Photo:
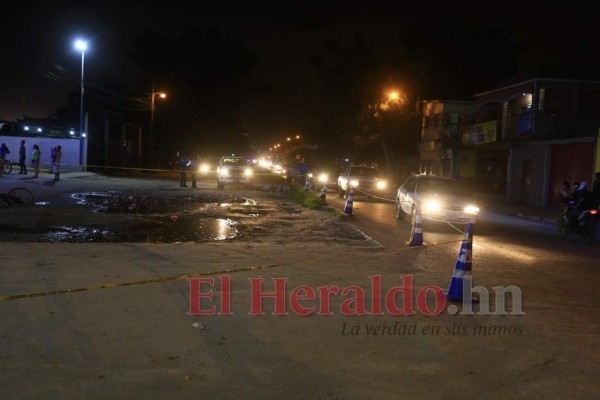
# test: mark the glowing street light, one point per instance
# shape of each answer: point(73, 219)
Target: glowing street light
point(153, 95)
point(81, 45)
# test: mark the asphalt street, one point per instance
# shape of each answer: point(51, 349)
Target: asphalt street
point(135, 319)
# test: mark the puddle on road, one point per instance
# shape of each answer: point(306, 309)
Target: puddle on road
point(146, 219)
point(167, 231)
point(115, 202)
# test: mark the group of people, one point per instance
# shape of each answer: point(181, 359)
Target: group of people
point(36, 156)
point(580, 199)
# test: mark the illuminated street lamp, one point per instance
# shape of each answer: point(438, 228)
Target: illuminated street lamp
point(81, 45)
point(153, 95)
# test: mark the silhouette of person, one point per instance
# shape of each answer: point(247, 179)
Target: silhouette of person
point(35, 160)
point(22, 158)
point(184, 163)
point(56, 156)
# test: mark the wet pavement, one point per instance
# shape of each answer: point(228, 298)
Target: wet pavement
point(150, 210)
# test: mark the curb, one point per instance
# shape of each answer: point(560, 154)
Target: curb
point(547, 219)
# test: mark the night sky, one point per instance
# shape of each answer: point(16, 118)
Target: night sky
point(40, 67)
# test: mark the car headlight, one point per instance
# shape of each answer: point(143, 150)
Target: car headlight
point(248, 172)
point(354, 183)
point(431, 205)
point(323, 178)
point(223, 171)
point(471, 209)
point(204, 168)
point(380, 185)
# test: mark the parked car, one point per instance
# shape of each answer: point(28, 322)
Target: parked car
point(441, 199)
point(234, 170)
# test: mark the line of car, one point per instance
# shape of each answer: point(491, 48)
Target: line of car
point(437, 198)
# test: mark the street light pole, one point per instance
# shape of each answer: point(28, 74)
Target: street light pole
point(81, 45)
point(152, 94)
point(152, 101)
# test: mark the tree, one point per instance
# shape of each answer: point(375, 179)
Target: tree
point(432, 57)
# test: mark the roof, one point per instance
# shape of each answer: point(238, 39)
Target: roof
point(551, 72)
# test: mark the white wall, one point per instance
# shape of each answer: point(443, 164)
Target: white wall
point(70, 150)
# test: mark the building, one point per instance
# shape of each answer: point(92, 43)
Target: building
point(440, 143)
point(523, 141)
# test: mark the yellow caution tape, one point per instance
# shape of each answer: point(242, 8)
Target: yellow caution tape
point(142, 282)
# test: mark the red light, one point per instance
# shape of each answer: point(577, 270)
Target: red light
point(594, 212)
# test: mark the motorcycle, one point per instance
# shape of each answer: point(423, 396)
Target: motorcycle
point(585, 225)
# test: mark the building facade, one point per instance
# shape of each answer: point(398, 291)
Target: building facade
point(523, 139)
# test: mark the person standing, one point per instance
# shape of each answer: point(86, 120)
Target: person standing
point(35, 160)
point(3, 152)
point(184, 163)
point(193, 167)
point(22, 158)
point(56, 155)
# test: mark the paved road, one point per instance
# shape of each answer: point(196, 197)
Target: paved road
point(111, 319)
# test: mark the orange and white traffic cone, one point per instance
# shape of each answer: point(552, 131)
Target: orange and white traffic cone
point(462, 270)
point(416, 233)
point(349, 201)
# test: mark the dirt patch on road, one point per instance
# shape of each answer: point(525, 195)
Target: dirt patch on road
point(120, 217)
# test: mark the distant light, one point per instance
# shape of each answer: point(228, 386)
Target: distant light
point(71, 132)
point(83, 135)
point(39, 129)
point(162, 95)
point(26, 128)
point(81, 45)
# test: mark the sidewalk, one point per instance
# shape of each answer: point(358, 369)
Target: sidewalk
point(498, 204)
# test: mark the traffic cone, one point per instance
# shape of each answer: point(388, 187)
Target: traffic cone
point(324, 192)
point(307, 184)
point(462, 269)
point(349, 201)
point(416, 234)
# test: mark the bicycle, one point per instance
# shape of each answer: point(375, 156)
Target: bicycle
point(16, 197)
point(6, 166)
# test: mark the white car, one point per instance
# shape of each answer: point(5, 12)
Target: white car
point(234, 170)
point(441, 199)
